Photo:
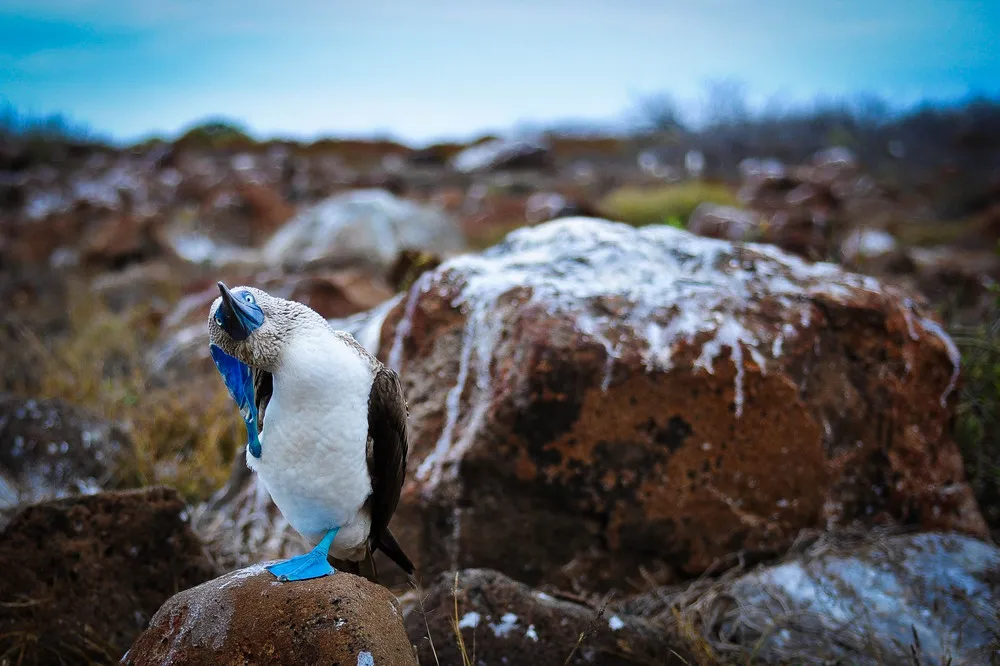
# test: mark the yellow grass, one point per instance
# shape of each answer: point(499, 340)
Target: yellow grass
point(184, 433)
point(666, 204)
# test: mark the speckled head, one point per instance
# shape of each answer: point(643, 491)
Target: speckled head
point(251, 325)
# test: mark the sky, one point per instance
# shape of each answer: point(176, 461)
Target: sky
point(424, 70)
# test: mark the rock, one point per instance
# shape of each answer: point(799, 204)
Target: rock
point(247, 616)
point(545, 206)
point(587, 398)
point(361, 227)
point(502, 154)
point(119, 241)
point(502, 621)
point(960, 279)
point(340, 293)
point(149, 284)
point(861, 244)
point(877, 253)
point(809, 209)
point(763, 170)
point(50, 449)
point(907, 599)
point(84, 575)
point(725, 222)
point(268, 209)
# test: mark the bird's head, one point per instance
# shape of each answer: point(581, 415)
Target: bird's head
point(247, 324)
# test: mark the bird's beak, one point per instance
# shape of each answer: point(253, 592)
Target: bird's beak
point(239, 319)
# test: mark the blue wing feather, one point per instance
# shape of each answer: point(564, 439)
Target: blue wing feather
point(239, 380)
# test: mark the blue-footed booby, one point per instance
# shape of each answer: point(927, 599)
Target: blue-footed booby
point(326, 426)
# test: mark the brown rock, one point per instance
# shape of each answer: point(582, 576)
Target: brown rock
point(114, 242)
point(725, 222)
point(587, 398)
point(268, 209)
point(340, 293)
point(502, 621)
point(50, 449)
point(83, 576)
point(957, 278)
point(247, 617)
point(150, 285)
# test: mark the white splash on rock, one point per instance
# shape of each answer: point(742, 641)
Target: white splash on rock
point(931, 590)
point(531, 633)
point(616, 623)
point(406, 323)
point(506, 625)
point(470, 620)
point(665, 287)
point(236, 578)
point(867, 244)
point(954, 355)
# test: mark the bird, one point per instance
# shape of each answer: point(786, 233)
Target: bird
point(326, 428)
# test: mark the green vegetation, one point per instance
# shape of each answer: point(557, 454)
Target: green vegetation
point(216, 134)
point(978, 424)
point(668, 204)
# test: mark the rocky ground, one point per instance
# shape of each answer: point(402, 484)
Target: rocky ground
point(657, 416)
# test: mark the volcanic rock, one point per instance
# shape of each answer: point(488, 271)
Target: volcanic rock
point(587, 398)
point(506, 622)
point(246, 616)
point(82, 576)
point(50, 449)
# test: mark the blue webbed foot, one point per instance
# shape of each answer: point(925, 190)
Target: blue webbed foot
point(302, 567)
point(310, 565)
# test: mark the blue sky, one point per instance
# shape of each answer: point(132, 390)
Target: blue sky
point(422, 70)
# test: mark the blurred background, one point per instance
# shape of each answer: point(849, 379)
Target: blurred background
point(332, 152)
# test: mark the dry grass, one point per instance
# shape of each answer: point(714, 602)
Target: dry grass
point(184, 434)
point(931, 234)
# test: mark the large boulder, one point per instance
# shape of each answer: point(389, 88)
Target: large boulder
point(361, 227)
point(497, 621)
point(246, 616)
point(83, 576)
point(587, 398)
point(905, 599)
point(50, 449)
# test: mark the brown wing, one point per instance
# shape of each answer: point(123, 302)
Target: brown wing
point(263, 389)
point(386, 459)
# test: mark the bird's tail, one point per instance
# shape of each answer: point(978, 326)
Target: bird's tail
point(363, 567)
point(367, 568)
point(387, 544)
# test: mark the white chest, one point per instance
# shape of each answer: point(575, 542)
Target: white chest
point(313, 459)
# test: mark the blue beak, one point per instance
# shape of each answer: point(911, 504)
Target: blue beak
point(239, 318)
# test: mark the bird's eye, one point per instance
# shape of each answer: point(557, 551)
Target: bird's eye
point(218, 320)
point(248, 298)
